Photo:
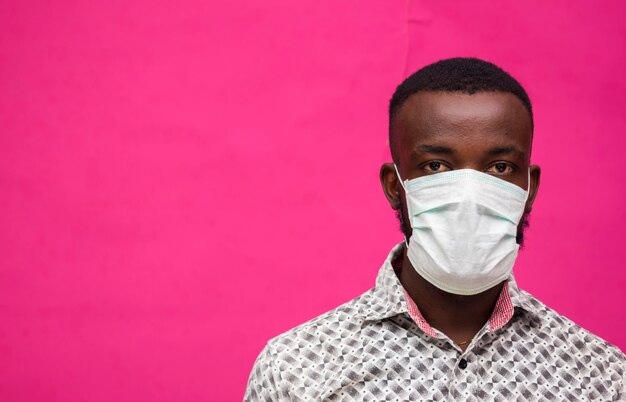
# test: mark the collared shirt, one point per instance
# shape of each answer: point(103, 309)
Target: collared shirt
point(372, 349)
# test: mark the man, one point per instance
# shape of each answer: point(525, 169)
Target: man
point(446, 320)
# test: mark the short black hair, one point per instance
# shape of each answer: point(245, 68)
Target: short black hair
point(459, 74)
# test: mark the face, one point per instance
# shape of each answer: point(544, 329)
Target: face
point(436, 132)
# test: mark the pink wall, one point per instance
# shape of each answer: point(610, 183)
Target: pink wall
point(182, 181)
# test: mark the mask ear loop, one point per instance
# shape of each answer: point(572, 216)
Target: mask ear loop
point(406, 243)
point(400, 177)
point(528, 187)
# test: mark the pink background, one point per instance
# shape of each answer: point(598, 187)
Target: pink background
point(183, 180)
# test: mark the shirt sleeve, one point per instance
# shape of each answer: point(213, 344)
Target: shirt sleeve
point(263, 384)
point(621, 391)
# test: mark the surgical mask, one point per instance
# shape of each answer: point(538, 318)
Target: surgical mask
point(464, 225)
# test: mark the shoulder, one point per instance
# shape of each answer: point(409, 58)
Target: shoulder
point(300, 356)
point(594, 358)
point(333, 325)
point(558, 327)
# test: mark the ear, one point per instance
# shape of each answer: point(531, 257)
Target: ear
point(535, 175)
point(391, 185)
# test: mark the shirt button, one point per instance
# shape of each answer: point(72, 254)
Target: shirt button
point(462, 364)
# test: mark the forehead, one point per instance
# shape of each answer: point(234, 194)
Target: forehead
point(462, 120)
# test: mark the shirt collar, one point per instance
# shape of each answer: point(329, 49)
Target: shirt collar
point(522, 300)
point(387, 298)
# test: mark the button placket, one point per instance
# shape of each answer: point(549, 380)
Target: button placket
point(459, 376)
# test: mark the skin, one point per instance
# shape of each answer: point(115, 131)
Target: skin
point(440, 131)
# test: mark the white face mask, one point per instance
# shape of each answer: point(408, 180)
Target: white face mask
point(464, 226)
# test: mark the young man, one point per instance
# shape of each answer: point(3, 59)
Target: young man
point(446, 319)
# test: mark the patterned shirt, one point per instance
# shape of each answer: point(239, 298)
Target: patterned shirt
point(372, 349)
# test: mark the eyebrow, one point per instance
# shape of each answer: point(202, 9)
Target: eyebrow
point(435, 149)
point(507, 150)
point(497, 151)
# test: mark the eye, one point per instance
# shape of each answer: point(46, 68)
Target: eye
point(435, 167)
point(500, 168)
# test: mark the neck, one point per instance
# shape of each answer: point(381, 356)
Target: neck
point(459, 317)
